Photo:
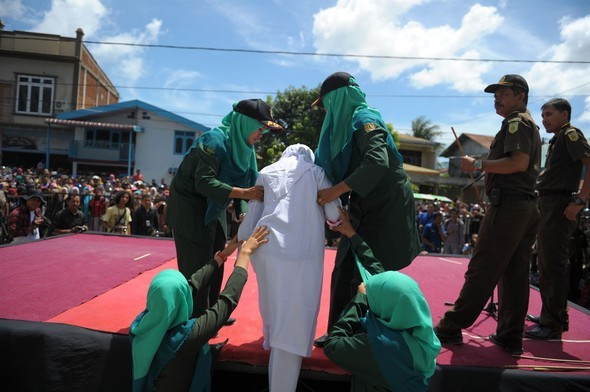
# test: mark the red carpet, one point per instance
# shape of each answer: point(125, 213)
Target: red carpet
point(44, 278)
point(81, 280)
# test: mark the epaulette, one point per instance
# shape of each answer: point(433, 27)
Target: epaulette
point(572, 134)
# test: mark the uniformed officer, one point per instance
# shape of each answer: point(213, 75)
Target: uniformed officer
point(559, 203)
point(507, 232)
point(221, 164)
point(357, 152)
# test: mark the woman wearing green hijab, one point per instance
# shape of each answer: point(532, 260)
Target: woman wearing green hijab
point(169, 348)
point(219, 166)
point(384, 337)
point(357, 152)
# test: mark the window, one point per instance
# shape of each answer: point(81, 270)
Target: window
point(412, 157)
point(34, 94)
point(109, 139)
point(183, 140)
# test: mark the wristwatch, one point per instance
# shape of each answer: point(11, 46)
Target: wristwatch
point(478, 164)
point(579, 202)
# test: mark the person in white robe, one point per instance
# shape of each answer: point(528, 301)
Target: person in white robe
point(289, 269)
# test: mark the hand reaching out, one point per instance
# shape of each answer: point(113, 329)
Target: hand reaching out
point(256, 239)
point(345, 226)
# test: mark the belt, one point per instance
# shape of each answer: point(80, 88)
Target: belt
point(516, 196)
point(553, 192)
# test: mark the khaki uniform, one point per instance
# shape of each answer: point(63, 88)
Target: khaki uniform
point(506, 236)
point(382, 211)
point(557, 182)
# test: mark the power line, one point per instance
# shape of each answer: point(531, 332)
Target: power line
point(316, 54)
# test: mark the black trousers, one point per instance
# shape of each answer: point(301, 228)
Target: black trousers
point(553, 238)
point(192, 254)
point(501, 257)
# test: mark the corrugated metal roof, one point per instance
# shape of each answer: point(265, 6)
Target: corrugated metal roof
point(133, 104)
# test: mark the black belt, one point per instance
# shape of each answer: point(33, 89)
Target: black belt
point(553, 192)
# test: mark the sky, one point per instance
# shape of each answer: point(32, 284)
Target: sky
point(229, 50)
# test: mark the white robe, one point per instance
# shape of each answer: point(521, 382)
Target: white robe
point(289, 268)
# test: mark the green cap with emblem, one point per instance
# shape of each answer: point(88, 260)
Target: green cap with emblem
point(508, 81)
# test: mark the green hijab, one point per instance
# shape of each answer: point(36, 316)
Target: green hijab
point(237, 127)
point(237, 159)
point(334, 146)
point(397, 302)
point(160, 330)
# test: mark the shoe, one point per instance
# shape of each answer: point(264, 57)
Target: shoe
point(533, 318)
point(514, 350)
point(537, 320)
point(230, 321)
point(455, 338)
point(321, 341)
point(542, 333)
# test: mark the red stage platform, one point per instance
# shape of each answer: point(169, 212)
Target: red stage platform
point(99, 282)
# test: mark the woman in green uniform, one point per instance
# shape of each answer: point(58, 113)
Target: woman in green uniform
point(357, 152)
point(384, 337)
point(219, 166)
point(169, 348)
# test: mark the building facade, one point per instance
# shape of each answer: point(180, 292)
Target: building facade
point(41, 76)
point(126, 136)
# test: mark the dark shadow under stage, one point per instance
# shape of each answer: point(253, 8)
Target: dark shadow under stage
point(66, 304)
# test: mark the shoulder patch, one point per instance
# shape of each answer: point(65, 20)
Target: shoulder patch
point(513, 126)
point(370, 127)
point(208, 150)
point(515, 119)
point(572, 134)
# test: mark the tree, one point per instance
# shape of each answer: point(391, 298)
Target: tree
point(423, 128)
point(302, 122)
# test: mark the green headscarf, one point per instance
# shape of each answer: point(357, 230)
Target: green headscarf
point(334, 147)
point(397, 302)
point(237, 159)
point(346, 112)
point(160, 330)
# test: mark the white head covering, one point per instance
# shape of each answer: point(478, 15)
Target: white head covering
point(282, 175)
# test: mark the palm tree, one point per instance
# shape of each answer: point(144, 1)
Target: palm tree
point(423, 128)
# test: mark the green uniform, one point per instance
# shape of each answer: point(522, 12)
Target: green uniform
point(178, 372)
point(197, 242)
point(506, 236)
point(382, 211)
point(349, 346)
point(557, 182)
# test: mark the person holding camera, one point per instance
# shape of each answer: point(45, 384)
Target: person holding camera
point(507, 233)
point(145, 218)
point(71, 219)
point(117, 218)
point(25, 220)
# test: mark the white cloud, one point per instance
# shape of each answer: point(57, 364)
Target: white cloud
point(375, 28)
point(564, 79)
point(66, 16)
point(15, 10)
point(129, 59)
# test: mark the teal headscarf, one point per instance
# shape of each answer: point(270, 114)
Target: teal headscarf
point(398, 308)
point(160, 330)
point(346, 112)
point(237, 159)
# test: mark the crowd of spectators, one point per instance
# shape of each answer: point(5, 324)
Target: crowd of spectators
point(76, 204)
point(449, 228)
point(452, 228)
